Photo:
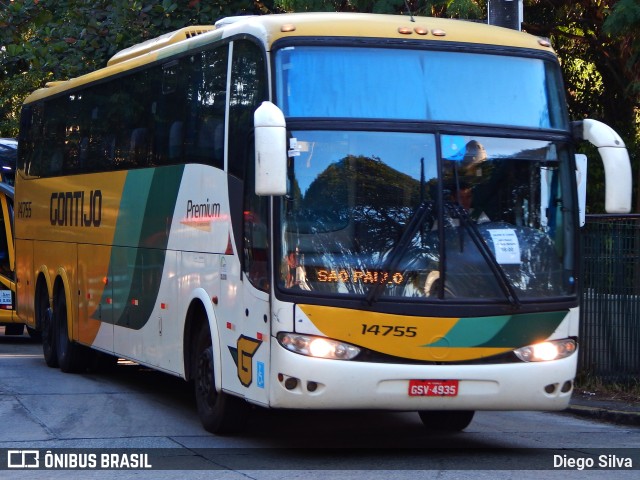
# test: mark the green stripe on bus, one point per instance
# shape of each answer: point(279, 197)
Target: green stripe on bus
point(140, 242)
point(505, 331)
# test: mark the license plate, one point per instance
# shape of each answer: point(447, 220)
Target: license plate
point(433, 388)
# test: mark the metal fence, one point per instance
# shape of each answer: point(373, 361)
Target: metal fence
point(610, 302)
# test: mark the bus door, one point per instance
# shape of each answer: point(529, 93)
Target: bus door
point(244, 307)
point(240, 313)
point(243, 310)
point(254, 345)
point(250, 218)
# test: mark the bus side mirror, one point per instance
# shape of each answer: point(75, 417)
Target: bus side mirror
point(615, 158)
point(270, 132)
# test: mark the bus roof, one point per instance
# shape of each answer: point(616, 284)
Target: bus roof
point(270, 28)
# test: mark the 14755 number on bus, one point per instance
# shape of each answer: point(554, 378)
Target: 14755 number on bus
point(393, 330)
point(24, 209)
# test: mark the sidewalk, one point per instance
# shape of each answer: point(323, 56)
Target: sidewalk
point(621, 412)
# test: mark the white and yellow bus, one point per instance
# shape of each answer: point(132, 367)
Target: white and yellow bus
point(314, 211)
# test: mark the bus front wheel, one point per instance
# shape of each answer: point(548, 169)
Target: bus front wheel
point(219, 412)
point(446, 420)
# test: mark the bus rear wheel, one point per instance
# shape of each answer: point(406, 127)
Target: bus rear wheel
point(446, 420)
point(70, 354)
point(45, 325)
point(219, 412)
point(48, 331)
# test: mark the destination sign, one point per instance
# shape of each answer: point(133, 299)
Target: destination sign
point(359, 276)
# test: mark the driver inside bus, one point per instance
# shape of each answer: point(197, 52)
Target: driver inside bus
point(464, 196)
point(469, 176)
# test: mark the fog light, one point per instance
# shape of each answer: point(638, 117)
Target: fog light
point(566, 386)
point(290, 383)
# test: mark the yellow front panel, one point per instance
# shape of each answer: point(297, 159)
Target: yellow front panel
point(433, 339)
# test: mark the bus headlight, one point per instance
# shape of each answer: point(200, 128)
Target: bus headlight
point(320, 347)
point(545, 351)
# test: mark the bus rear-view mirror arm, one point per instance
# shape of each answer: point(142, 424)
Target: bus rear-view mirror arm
point(615, 158)
point(270, 150)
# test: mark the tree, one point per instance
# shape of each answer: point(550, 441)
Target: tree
point(598, 43)
point(624, 23)
point(599, 49)
point(436, 8)
point(43, 40)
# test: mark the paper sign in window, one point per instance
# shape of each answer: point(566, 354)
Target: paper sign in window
point(506, 246)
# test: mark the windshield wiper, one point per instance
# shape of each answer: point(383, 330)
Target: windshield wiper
point(503, 281)
point(398, 250)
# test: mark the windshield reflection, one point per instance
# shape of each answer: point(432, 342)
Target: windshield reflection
point(369, 215)
point(419, 85)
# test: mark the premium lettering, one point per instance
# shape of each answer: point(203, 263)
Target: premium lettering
point(202, 210)
point(76, 209)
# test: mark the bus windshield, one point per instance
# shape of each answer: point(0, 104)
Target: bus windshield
point(396, 208)
point(444, 86)
point(373, 214)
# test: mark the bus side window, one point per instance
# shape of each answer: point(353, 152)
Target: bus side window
point(247, 93)
point(206, 96)
point(138, 146)
point(210, 140)
point(176, 141)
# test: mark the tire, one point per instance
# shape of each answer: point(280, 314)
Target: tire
point(49, 339)
point(45, 325)
point(446, 420)
point(219, 412)
point(70, 354)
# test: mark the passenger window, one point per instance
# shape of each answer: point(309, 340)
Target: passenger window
point(248, 91)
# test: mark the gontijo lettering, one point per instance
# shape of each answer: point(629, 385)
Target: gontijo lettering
point(76, 209)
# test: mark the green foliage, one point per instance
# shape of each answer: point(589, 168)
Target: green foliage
point(598, 44)
point(599, 49)
point(468, 9)
point(624, 23)
point(441, 8)
point(44, 40)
